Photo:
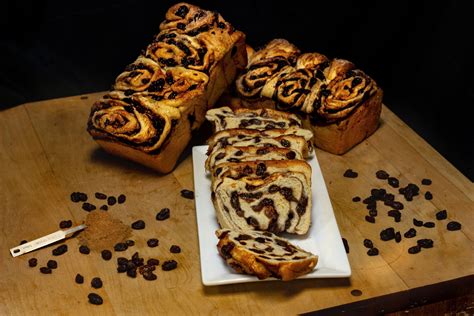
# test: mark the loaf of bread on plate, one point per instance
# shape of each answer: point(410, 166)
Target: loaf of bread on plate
point(273, 195)
point(264, 254)
point(160, 98)
point(339, 102)
point(250, 153)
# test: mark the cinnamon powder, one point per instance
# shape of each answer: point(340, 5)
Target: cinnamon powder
point(103, 231)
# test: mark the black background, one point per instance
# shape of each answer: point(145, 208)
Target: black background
point(419, 52)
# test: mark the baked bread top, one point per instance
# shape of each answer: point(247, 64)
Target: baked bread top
point(328, 90)
point(264, 254)
point(167, 82)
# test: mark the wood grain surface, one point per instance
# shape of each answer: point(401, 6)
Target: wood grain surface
point(46, 153)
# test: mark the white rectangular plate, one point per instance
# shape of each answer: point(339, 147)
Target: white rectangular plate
point(323, 238)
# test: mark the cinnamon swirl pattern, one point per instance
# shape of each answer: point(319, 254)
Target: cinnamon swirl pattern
point(167, 87)
point(327, 90)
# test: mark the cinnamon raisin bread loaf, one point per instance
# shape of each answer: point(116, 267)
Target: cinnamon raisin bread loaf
point(339, 102)
point(250, 153)
point(261, 119)
point(161, 97)
point(264, 254)
point(269, 195)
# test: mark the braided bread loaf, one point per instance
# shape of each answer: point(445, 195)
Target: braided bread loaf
point(161, 97)
point(340, 103)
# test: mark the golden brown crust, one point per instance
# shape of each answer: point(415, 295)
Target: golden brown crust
point(161, 97)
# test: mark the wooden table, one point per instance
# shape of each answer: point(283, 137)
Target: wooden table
point(46, 153)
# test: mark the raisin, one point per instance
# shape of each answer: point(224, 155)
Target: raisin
point(104, 208)
point(373, 252)
point(52, 264)
point(273, 188)
point(373, 212)
point(349, 173)
point(260, 170)
point(356, 199)
point(65, 224)
point(153, 262)
point(398, 237)
point(121, 198)
point(417, 222)
point(393, 182)
point(220, 156)
point(121, 246)
point(60, 250)
point(285, 143)
point(413, 250)
point(425, 243)
point(169, 265)
point(291, 155)
point(149, 276)
point(452, 226)
point(163, 214)
point(132, 273)
point(370, 219)
point(346, 245)
point(441, 215)
point(382, 174)
point(239, 153)
point(175, 249)
point(33, 262)
point(79, 279)
point(96, 283)
point(111, 200)
point(100, 196)
point(106, 254)
point(88, 207)
point(397, 205)
point(429, 224)
point(368, 243)
point(187, 194)
point(121, 268)
point(122, 260)
point(426, 181)
point(138, 225)
point(152, 242)
point(395, 214)
point(387, 234)
point(130, 242)
point(95, 299)
point(78, 197)
point(45, 270)
point(410, 233)
point(428, 195)
point(84, 250)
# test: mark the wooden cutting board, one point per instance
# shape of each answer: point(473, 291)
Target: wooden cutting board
point(46, 153)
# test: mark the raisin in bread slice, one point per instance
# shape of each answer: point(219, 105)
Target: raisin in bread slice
point(264, 255)
point(297, 139)
point(268, 195)
point(260, 119)
point(250, 153)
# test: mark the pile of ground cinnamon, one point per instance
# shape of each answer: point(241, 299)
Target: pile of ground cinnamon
point(103, 231)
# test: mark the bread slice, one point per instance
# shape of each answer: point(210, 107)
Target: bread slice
point(261, 119)
point(264, 255)
point(250, 153)
point(263, 195)
point(294, 138)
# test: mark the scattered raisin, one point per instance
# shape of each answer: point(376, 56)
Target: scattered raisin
point(373, 252)
point(387, 234)
point(428, 195)
point(368, 243)
point(153, 262)
point(425, 243)
point(111, 200)
point(149, 276)
point(65, 224)
point(130, 242)
point(163, 214)
point(62, 249)
point(84, 250)
point(137, 225)
point(410, 233)
point(429, 224)
point(417, 222)
point(104, 208)
point(349, 173)
point(46, 270)
point(187, 194)
point(370, 219)
point(413, 250)
point(393, 182)
point(121, 198)
point(100, 196)
point(452, 226)
point(175, 249)
point(169, 265)
point(79, 279)
point(33, 262)
point(78, 197)
point(356, 199)
point(398, 237)
point(152, 242)
point(382, 175)
point(106, 254)
point(426, 181)
point(121, 246)
point(96, 283)
point(88, 207)
point(441, 215)
point(95, 299)
point(52, 264)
